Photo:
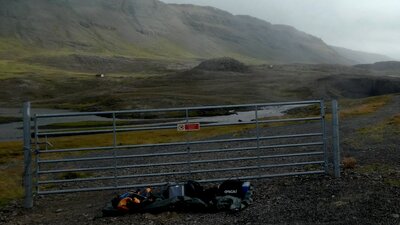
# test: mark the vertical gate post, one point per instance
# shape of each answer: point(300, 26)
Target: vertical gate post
point(114, 150)
point(335, 138)
point(26, 112)
point(324, 138)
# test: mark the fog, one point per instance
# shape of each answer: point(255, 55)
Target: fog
point(365, 25)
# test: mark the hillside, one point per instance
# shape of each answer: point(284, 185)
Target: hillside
point(149, 29)
point(381, 66)
point(359, 57)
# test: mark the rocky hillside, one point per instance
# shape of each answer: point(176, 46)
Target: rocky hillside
point(150, 29)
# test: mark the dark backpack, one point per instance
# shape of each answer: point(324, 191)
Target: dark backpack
point(193, 189)
point(231, 187)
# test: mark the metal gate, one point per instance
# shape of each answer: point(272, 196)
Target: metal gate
point(93, 151)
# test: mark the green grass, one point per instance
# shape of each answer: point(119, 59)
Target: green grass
point(377, 133)
point(10, 171)
point(361, 107)
point(12, 69)
point(10, 184)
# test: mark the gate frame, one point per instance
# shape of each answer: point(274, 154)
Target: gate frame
point(27, 135)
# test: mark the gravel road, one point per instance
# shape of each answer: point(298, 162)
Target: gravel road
point(361, 196)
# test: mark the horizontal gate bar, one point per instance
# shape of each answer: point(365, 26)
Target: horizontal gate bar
point(178, 153)
point(180, 173)
point(71, 133)
point(175, 109)
point(182, 143)
point(178, 163)
point(265, 176)
point(166, 183)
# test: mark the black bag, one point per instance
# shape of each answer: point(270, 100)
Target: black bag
point(231, 187)
point(193, 189)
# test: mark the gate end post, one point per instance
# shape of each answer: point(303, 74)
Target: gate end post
point(26, 112)
point(335, 138)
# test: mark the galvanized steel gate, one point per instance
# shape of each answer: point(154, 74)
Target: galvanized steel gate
point(139, 148)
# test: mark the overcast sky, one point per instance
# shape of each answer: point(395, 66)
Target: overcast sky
point(366, 25)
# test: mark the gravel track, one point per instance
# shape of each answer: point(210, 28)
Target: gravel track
point(359, 197)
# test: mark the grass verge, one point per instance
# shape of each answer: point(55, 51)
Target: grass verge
point(362, 107)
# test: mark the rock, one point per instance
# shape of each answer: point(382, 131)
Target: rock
point(396, 216)
point(340, 203)
point(149, 216)
point(59, 210)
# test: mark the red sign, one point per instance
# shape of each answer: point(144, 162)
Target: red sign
point(188, 127)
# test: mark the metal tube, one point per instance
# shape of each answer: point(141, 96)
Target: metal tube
point(324, 136)
point(184, 173)
point(184, 143)
point(258, 138)
point(114, 150)
point(37, 155)
point(179, 163)
point(335, 138)
point(264, 176)
point(26, 111)
point(166, 127)
point(165, 183)
point(181, 153)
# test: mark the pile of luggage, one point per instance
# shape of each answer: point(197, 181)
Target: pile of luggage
point(231, 195)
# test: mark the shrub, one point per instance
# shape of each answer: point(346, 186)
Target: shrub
point(349, 162)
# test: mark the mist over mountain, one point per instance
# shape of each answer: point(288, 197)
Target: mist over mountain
point(152, 29)
point(360, 57)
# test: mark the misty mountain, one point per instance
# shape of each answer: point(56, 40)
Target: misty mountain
point(359, 57)
point(153, 29)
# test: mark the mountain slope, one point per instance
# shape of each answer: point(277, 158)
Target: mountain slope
point(360, 57)
point(151, 29)
point(381, 66)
